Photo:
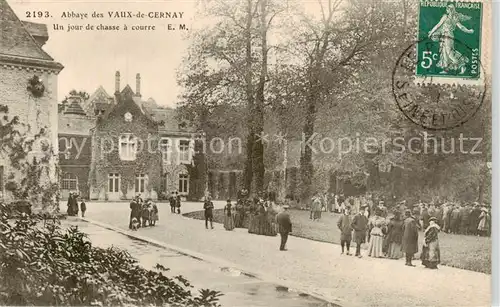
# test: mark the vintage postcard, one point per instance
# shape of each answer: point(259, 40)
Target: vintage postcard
point(246, 153)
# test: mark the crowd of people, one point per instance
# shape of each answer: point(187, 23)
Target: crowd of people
point(390, 237)
point(456, 218)
point(260, 215)
point(142, 213)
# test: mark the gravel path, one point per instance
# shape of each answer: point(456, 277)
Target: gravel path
point(312, 266)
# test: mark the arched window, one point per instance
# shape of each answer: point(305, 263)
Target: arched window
point(128, 147)
point(69, 182)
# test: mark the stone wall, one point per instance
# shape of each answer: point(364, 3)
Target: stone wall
point(34, 114)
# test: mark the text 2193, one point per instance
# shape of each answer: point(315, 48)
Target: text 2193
point(38, 14)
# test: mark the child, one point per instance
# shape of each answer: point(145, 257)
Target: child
point(154, 218)
point(83, 207)
point(134, 224)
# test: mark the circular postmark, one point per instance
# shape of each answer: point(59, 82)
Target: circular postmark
point(435, 102)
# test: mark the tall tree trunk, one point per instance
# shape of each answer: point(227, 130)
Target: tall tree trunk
point(306, 166)
point(258, 146)
point(248, 171)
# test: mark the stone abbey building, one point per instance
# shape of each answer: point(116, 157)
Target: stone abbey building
point(113, 147)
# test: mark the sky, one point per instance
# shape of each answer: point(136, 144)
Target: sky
point(91, 58)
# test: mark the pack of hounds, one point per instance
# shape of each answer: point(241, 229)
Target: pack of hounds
point(142, 213)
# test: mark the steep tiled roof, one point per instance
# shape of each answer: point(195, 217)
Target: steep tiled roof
point(61, 107)
point(99, 100)
point(15, 40)
point(38, 31)
point(127, 91)
point(169, 118)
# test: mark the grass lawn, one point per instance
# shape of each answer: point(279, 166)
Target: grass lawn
point(465, 252)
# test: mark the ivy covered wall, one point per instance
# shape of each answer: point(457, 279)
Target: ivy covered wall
point(28, 135)
point(106, 158)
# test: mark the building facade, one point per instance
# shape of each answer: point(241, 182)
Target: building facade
point(75, 144)
point(121, 146)
point(29, 92)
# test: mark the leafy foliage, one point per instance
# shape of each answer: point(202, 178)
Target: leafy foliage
point(45, 265)
point(331, 74)
point(30, 156)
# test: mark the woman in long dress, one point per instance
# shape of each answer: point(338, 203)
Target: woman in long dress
point(430, 251)
point(154, 215)
point(239, 215)
point(377, 225)
point(272, 211)
point(316, 208)
point(394, 237)
point(484, 222)
point(450, 58)
point(228, 216)
point(253, 220)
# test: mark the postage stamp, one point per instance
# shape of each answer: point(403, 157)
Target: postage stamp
point(449, 41)
point(433, 106)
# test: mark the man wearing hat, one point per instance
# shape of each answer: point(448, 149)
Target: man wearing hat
point(284, 226)
point(359, 224)
point(410, 237)
point(208, 206)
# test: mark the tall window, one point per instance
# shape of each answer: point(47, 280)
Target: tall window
point(140, 183)
point(2, 184)
point(165, 150)
point(128, 147)
point(69, 182)
point(183, 183)
point(184, 151)
point(113, 182)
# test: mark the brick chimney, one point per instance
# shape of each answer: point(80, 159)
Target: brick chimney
point(138, 85)
point(117, 82)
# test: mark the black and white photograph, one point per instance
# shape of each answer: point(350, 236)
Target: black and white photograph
point(246, 153)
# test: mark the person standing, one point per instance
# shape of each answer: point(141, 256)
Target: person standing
point(316, 207)
point(474, 219)
point(172, 200)
point(376, 225)
point(430, 251)
point(455, 219)
point(83, 207)
point(135, 209)
point(208, 206)
point(228, 216)
point(446, 217)
point(359, 224)
point(425, 217)
point(484, 222)
point(410, 237)
point(284, 226)
point(464, 218)
point(70, 204)
point(178, 202)
point(395, 236)
point(344, 224)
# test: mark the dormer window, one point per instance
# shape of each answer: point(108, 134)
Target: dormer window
point(128, 147)
point(182, 125)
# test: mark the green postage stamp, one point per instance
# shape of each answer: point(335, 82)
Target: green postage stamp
point(449, 41)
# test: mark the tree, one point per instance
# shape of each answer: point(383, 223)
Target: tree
point(224, 66)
